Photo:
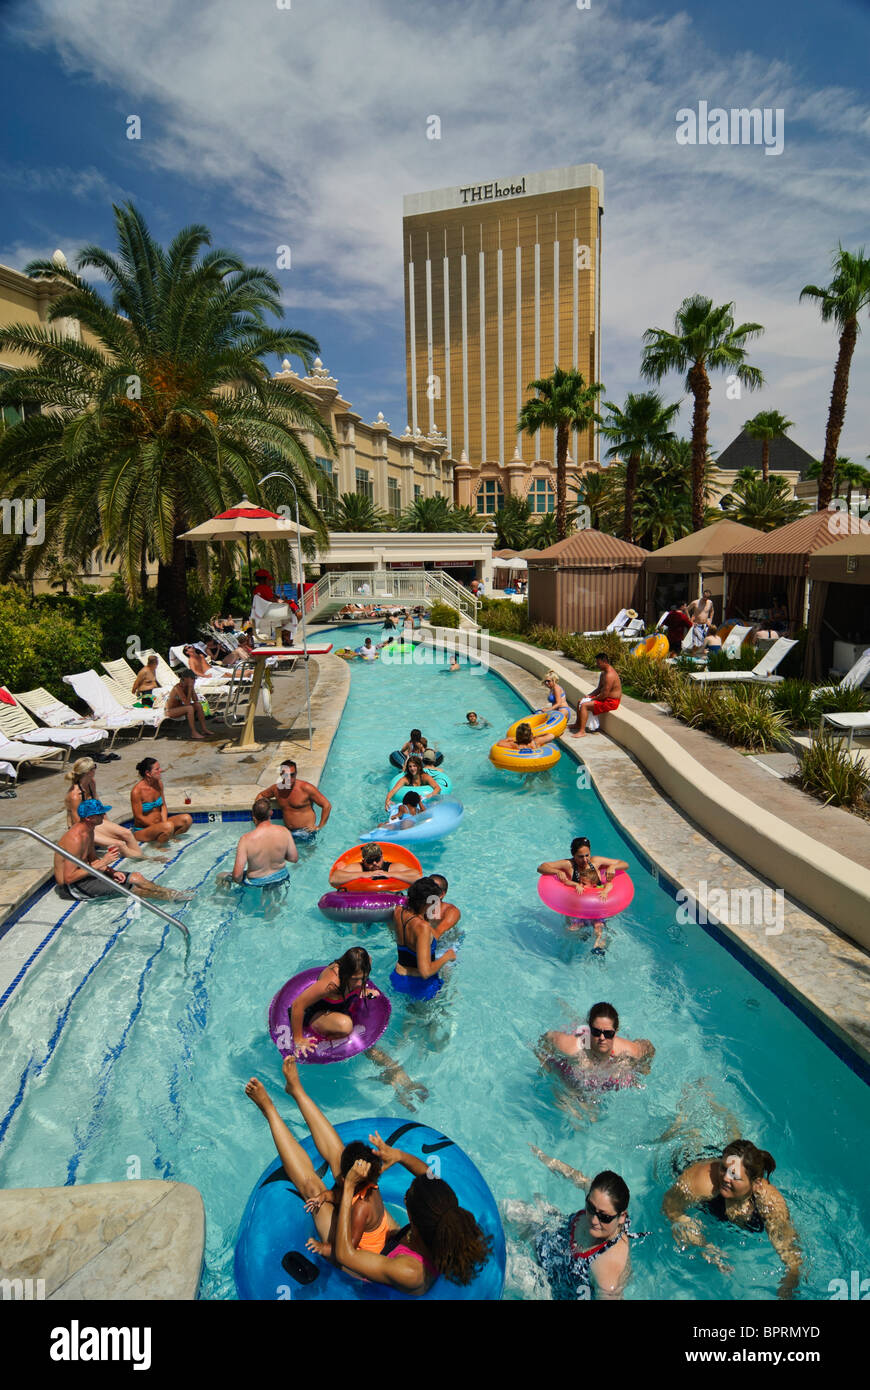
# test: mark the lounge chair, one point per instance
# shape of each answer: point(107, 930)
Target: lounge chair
point(90, 688)
point(763, 671)
point(632, 630)
point(853, 679)
point(850, 724)
point(57, 715)
point(16, 755)
point(16, 723)
point(619, 623)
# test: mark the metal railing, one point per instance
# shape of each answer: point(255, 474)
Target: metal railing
point(399, 587)
point(119, 888)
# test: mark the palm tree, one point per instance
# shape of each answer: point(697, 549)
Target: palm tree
point(853, 475)
point(704, 340)
point(842, 301)
point(352, 511)
point(564, 403)
point(513, 523)
point(764, 505)
point(163, 412)
point(766, 426)
point(544, 530)
point(436, 514)
point(597, 493)
point(642, 424)
point(63, 573)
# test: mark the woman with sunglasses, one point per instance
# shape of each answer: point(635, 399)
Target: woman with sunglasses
point(594, 1056)
point(735, 1187)
point(588, 1254)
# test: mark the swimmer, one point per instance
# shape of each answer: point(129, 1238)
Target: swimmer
point(297, 799)
point(148, 800)
point(368, 1222)
point(735, 1187)
point(474, 721)
point(371, 864)
point(414, 776)
point(410, 805)
point(324, 1007)
point(263, 852)
point(418, 746)
point(367, 651)
point(418, 925)
point(80, 885)
point(595, 1049)
point(525, 739)
point(586, 871)
point(555, 694)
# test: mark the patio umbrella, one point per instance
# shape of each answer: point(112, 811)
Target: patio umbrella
point(516, 564)
point(245, 520)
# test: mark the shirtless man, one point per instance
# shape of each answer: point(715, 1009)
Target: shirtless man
point(606, 696)
point(596, 1049)
point(80, 885)
point(371, 864)
point(296, 800)
point(262, 852)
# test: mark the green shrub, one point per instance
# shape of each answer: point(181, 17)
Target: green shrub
point(794, 698)
point(650, 680)
point(119, 618)
point(552, 638)
point(718, 661)
point(442, 615)
point(40, 647)
point(584, 650)
point(828, 772)
point(697, 705)
point(750, 721)
point(502, 616)
point(840, 700)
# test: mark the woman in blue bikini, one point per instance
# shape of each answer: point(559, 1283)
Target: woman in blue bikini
point(153, 823)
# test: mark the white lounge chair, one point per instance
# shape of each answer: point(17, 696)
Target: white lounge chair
point(850, 724)
point(90, 688)
point(57, 715)
point(16, 723)
point(621, 621)
point(761, 673)
point(632, 630)
point(15, 755)
point(853, 679)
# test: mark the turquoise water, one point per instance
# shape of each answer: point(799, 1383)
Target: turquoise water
point(142, 1075)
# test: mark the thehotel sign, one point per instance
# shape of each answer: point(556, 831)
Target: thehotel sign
point(484, 192)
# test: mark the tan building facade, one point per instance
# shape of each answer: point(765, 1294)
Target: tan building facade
point(502, 281)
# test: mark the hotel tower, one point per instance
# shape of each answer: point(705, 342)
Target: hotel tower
point(502, 280)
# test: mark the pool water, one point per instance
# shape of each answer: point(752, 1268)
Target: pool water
point(141, 1074)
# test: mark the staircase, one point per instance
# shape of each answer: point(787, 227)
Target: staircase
point(398, 588)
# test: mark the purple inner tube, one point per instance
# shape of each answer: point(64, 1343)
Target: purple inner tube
point(370, 1018)
point(360, 907)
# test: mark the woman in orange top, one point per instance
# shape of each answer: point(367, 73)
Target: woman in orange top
point(371, 1223)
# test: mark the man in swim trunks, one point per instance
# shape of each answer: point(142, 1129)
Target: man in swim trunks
point(297, 799)
point(263, 852)
point(606, 696)
point(74, 883)
point(371, 864)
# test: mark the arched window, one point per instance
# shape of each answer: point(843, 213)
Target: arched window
point(542, 496)
point(490, 497)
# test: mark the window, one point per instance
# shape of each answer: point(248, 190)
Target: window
point(394, 496)
point(418, 492)
point(364, 486)
point(21, 410)
point(542, 495)
point(490, 497)
point(323, 498)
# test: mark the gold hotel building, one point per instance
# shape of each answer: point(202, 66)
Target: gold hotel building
point(502, 280)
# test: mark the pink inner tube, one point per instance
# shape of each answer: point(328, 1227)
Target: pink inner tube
point(342, 906)
point(370, 1018)
point(588, 906)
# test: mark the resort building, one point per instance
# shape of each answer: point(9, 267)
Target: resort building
point(502, 281)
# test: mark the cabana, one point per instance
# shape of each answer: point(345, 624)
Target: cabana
point(839, 616)
point(580, 583)
point(778, 564)
point(684, 568)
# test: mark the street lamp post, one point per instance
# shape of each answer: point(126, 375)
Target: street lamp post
point(301, 591)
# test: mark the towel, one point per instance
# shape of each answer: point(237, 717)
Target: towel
point(88, 686)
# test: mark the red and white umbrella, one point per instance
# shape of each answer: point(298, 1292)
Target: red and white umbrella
point(245, 520)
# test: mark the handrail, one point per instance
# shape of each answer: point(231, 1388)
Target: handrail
point(119, 888)
point(402, 586)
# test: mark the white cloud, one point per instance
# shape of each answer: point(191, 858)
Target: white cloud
point(313, 120)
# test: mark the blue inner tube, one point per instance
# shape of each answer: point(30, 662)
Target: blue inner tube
point(398, 761)
point(275, 1221)
point(441, 817)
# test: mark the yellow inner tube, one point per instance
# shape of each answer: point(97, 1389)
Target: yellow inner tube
point(655, 647)
point(535, 760)
point(556, 722)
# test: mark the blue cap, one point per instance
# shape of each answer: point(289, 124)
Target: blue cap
point(92, 807)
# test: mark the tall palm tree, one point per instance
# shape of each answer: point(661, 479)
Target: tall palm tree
point(842, 301)
point(704, 339)
point(766, 426)
point(564, 403)
point(643, 423)
point(352, 511)
point(847, 475)
point(164, 411)
point(436, 514)
point(762, 504)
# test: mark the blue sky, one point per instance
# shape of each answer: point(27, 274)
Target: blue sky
point(305, 126)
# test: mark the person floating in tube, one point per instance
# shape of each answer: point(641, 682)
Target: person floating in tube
point(586, 870)
point(371, 864)
point(413, 777)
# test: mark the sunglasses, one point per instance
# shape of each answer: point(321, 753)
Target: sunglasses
point(603, 1216)
point(603, 1032)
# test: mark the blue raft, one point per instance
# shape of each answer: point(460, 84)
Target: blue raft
point(275, 1221)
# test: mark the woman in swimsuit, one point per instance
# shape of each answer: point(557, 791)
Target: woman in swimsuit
point(419, 924)
point(441, 1238)
point(413, 777)
point(594, 1056)
point(324, 1007)
point(525, 739)
point(555, 694)
point(146, 682)
point(586, 871)
point(149, 806)
point(587, 1254)
point(418, 746)
point(107, 834)
point(368, 1221)
point(735, 1188)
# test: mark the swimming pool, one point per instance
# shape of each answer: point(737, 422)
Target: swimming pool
point(142, 1073)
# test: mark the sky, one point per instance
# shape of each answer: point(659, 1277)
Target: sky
point(302, 123)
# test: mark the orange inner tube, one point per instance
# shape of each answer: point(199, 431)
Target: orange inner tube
point(393, 854)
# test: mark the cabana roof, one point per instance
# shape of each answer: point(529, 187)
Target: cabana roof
point(587, 549)
point(845, 561)
point(702, 550)
point(787, 549)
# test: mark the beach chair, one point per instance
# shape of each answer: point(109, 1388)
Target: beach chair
point(621, 621)
point(16, 723)
point(91, 689)
point(16, 755)
point(151, 717)
point(762, 672)
point(57, 715)
point(853, 679)
point(849, 724)
point(632, 630)
point(165, 674)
